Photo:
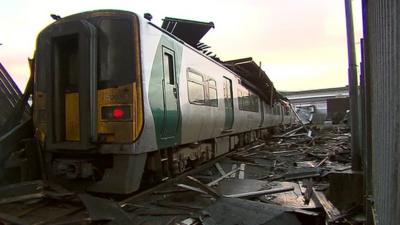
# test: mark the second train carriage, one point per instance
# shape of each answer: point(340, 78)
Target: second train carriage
point(119, 100)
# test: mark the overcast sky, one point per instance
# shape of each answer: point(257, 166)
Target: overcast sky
point(301, 43)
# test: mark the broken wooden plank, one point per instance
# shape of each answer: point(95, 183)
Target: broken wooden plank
point(323, 161)
point(331, 211)
point(262, 192)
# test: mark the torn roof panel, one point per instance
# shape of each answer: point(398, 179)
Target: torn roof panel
point(189, 31)
point(248, 68)
point(254, 78)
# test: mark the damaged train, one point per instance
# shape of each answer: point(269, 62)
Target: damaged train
point(120, 102)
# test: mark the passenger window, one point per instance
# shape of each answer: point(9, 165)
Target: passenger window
point(169, 69)
point(212, 93)
point(247, 100)
point(194, 77)
point(195, 88)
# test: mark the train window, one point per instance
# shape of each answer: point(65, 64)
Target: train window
point(116, 52)
point(212, 93)
point(169, 68)
point(66, 61)
point(242, 99)
point(247, 100)
point(212, 83)
point(195, 77)
point(254, 103)
point(195, 88)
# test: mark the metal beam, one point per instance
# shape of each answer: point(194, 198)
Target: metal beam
point(353, 88)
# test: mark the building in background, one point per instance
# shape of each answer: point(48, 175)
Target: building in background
point(320, 105)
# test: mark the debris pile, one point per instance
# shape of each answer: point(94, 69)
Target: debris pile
point(290, 179)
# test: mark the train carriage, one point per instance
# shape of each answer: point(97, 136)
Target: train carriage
point(120, 102)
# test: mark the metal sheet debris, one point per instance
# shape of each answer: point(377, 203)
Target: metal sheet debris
point(232, 211)
point(101, 209)
point(294, 167)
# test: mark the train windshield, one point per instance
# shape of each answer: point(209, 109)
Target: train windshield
point(115, 53)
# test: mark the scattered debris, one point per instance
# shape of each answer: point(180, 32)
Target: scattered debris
point(230, 211)
point(258, 193)
point(273, 182)
point(101, 209)
point(220, 169)
point(223, 177)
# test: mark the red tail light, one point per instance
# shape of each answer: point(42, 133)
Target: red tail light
point(120, 112)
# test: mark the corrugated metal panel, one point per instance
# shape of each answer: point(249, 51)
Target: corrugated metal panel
point(9, 95)
point(383, 47)
point(10, 103)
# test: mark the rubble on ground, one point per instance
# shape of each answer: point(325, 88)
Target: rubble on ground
point(286, 180)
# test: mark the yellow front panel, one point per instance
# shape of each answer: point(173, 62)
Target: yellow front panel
point(115, 131)
point(72, 126)
point(138, 111)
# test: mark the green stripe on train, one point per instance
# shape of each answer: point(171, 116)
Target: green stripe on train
point(164, 105)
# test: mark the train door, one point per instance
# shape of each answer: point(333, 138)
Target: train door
point(228, 104)
point(170, 95)
point(68, 76)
